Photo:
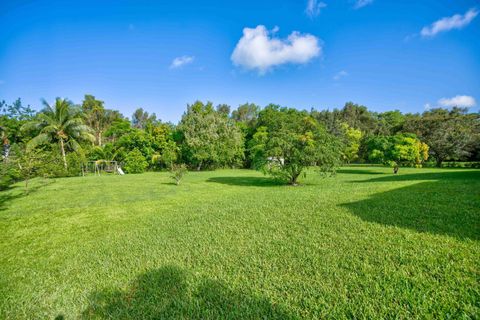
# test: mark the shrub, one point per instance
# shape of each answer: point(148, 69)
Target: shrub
point(178, 171)
point(76, 160)
point(8, 174)
point(51, 165)
point(135, 162)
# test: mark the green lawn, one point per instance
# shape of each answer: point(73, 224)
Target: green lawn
point(234, 244)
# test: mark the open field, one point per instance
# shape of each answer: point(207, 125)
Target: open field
point(234, 244)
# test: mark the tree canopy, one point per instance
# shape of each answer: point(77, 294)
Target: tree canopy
point(277, 140)
point(287, 141)
point(209, 139)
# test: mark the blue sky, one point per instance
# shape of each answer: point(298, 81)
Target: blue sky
point(162, 55)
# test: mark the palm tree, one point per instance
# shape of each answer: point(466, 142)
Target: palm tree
point(60, 124)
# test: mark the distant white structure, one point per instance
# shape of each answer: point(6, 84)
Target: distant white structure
point(276, 160)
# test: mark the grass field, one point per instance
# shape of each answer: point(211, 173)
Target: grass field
point(234, 244)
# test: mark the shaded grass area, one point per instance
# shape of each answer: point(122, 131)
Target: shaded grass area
point(235, 244)
point(446, 204)
point(165, 293)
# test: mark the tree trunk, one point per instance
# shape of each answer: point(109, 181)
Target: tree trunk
point(199, 167)
point(100, 138)
point(62, 148)
point(293, 179)
point(439, 163)
point(395, 169)
point(26, 185)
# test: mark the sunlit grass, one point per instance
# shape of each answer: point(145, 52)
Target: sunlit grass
point(234, 244)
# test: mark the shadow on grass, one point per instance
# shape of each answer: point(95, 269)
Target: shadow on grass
point(247, 181)
point(166, 293)
point(8, 195)
point(468, 175)
point(449, 205)
point(169, 184)
point(359, 171)
point(15, 192)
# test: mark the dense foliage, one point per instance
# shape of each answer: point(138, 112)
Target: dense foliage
point(397, 150)
point(279, 141)
point(287, 141)
point(209, 138)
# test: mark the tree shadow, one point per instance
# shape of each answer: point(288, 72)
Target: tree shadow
point(9, 195)
point(448, 206)
point(169, 183)
point(168, 293)
point(15, 192)
point(468, 175)
point(359, 171)
point(247, 181)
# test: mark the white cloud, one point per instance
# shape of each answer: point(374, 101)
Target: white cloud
point(427, 106)
point(258, 49)
point(361, 3)
point(181, 61)
point(340, 75)
point(314, 7)
point(456, 21)
point(458, 101)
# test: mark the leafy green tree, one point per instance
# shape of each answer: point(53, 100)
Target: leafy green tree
point(398, 150)
point(246, 116)
point(135, 162)
point(451, 135)
point(167, 156)
point(135, 139)
point(390, 122)
point(117, 129)
point(5, 143)
point(62, 124)
point(208, 138)
point(287, 141)
point(29, 161)
point(224, 109)
point(97, 117)
point(358, 117)
point(141, 118)
point(12, 117)
point(351, 140)
point(246, 113)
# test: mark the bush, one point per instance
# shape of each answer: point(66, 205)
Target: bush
point(8, 174)
point(51, 165)
point(135, 162)
point(178, 171)
point(76, 160)
point(454, 164)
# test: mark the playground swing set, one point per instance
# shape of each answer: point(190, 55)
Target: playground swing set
point(100, 167)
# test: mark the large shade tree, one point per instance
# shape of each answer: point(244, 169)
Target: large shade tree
point(209, 139)
point(450, 134)
point(398, 150)
point(288, 141)
point(62, 124)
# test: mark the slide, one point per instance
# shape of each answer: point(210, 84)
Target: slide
point(120, 171)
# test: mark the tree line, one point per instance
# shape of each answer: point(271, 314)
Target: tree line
point(60, 138)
